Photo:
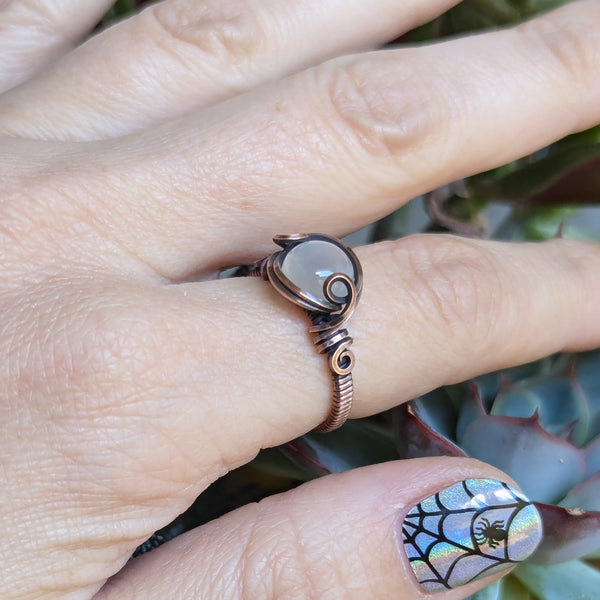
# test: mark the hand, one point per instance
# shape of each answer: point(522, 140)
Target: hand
point(175, 143)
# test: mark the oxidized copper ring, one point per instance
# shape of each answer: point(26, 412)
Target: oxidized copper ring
point(323, 276)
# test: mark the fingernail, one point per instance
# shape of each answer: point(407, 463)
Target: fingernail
point(469, 530)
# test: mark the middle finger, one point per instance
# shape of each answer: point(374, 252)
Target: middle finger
point(338, 146)
point(179, 55)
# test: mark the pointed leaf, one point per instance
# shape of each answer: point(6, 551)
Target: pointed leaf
point(538, 224)
point(568, 534)
point(472, 408)
point(568, 581)
point(491, 384)
point(436, 409)
point(415, 439)
point(586, 495)
point(557, 400)
point(313, 462)
point(531, 7)
point(356, 444)
point(546, 467)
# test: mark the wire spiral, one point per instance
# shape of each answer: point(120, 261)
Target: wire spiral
point(328, 312)
point(332, 338)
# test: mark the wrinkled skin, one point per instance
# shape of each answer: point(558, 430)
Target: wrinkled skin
point(178, 142)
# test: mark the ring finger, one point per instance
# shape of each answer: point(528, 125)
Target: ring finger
point(155, 391)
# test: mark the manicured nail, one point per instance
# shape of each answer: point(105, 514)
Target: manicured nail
point(470, 530)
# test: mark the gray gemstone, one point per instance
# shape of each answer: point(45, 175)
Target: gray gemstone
point(309, 264)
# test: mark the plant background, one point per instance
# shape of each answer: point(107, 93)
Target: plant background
point(552, 192)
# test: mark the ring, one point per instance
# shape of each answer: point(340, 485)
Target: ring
point(323, 276)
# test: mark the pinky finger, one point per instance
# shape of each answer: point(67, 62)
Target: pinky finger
point(35, 32)
point(359, 535)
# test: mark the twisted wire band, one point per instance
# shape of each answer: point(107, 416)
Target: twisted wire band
point(330, 336)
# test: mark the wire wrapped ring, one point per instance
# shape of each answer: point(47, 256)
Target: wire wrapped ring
point(323, 276)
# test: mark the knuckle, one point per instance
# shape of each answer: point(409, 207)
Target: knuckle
point(87, 349)
point(227, 30)
point(365, 111)
point(452, 282)
point(564, 47)
point(286, 566)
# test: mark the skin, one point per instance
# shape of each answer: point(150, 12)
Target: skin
point(178, 142)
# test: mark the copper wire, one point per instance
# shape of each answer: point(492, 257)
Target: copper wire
point(330, 336)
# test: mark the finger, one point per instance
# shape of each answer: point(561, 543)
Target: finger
point(435, 310)
point(35, 32)
point(139, 395)
point(179, 55)
point(337, 147)
point(343, 536)
point(227, 367)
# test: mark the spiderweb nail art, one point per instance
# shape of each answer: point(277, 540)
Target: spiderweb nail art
point(472, 529)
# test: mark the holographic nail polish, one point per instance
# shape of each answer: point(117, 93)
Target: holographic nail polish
point(469, 530)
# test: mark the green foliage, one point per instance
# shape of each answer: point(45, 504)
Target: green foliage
point(472, 15)
point(568, 581)
point(120, 9)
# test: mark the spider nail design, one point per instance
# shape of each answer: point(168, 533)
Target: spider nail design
point(469, 530)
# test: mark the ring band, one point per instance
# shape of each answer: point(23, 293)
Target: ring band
point(323, 276)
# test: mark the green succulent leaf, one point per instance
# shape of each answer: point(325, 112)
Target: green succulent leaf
point(491, 592)
point(545, 466)
point(585, 496)
point(572, 580)
point(490, 384)
point(120, 9)
point(415, 438)
point(436, 409)
point(512, 589)
point(472, 409)
point(539, 224)
point(561, 405)
point(586, 379)
point(355, 444)
point(471, 15)
point(568, 534)
point(508, 588)
point(593, 555)
point(272, 461)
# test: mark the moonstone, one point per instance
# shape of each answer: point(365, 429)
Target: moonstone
point(309, 264)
